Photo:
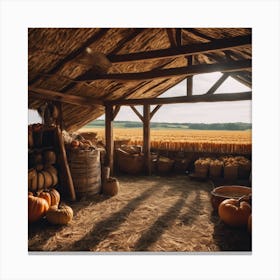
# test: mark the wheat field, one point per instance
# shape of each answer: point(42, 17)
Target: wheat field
point(187, 140)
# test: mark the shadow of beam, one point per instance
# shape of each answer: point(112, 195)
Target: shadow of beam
point(160, 225)
point(102, 229)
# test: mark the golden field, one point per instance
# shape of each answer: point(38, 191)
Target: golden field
point(186, 140)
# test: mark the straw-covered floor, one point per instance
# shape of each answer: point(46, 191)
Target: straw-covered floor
point(166, 214)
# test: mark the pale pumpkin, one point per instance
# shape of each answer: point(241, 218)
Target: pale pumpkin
point(52, 196)
point(59, 215)
point(234, 212)
point(37, 208)
point(111, 186)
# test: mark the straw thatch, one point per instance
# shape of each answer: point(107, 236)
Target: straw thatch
point(54, 63)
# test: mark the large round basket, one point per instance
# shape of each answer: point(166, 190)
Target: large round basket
point(221, 193)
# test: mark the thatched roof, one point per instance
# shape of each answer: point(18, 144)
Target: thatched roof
point(54, 53)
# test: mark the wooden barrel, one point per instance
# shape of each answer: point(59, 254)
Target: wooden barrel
point(85, 170)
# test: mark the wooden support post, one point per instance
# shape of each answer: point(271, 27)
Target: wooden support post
point(190, 78)
point(65, 173)
point(146, 138)
point(109, 137)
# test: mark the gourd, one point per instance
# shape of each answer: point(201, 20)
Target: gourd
point(52, 196)
point(37, 207)
point(235, 212)
point(42, 178)
point(61, 215)
point(111, 186)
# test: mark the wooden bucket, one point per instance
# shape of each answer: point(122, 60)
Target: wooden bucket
point(85, 170)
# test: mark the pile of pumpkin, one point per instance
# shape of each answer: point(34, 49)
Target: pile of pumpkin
point(44, 174)
point(46, 204)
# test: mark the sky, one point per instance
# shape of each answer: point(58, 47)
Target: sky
point(212, 112)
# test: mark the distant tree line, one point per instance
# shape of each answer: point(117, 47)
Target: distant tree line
point(164, 125)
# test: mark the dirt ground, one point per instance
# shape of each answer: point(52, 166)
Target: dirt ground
point(149, 214)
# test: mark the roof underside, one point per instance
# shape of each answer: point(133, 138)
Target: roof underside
point(53, 63)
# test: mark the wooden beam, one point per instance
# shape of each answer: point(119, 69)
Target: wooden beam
point(147, 138)
point(190, 78)
point(40, 93)
point(116, 111)
point(185, 99)
point(178, 36)
point(64, 169)
point(137, 113)
point(117, 48)
point(217, 83)
point(154, 111)
point(109, 138)
point(214, 45)
point(171, 72)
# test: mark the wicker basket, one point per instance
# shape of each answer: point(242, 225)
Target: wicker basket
point(85, 170)
point(221, 193)
point(231, 172)
point(244, 170)
point(201, 171)
point(215, 171)
point(130, 163)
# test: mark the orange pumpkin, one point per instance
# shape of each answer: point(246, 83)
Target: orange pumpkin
point(234, 212)
point(52, 196)
point(75, 144)
point(37, 208)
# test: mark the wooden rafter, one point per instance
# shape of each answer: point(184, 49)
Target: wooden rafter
point(62, 97)
point(214, 45)
point(137, 113)
point(186, 99)
point(171, 72)
point(119, 46)
point(73, 54)
point(155, 110)
point(178, 36)
point(218, 83)
point(116, 111)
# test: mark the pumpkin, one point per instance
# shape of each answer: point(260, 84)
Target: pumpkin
point(49, 157)
point(52, 196)
point(75, 144)
point(37, 208)
point(249, 225)
point(42, 179)
point(111, 186)
point(38, 159)
point(59, 215)
point(234, 212)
